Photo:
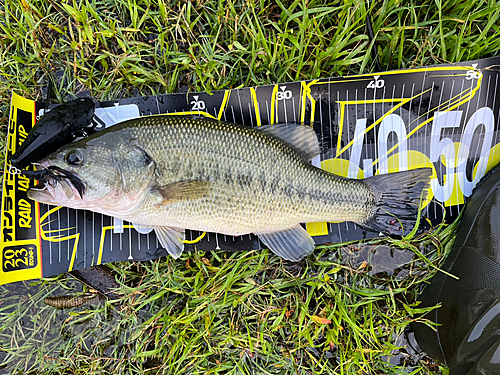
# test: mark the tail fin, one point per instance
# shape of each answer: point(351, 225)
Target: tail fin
point(397, 200)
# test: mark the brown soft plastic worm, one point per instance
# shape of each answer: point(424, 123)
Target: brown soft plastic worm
point(64, 302)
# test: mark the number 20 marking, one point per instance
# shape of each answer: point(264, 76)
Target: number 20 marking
point(198, 105)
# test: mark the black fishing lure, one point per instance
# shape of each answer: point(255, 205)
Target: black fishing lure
point(58, 127)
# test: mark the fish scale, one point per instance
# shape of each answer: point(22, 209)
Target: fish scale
point(262, 186)
point(181, 172)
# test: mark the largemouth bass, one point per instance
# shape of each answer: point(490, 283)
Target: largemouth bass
point(179, 172)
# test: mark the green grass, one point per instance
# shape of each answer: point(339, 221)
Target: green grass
point(224, 312)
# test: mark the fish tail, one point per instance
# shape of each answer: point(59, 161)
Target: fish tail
point(397, 200)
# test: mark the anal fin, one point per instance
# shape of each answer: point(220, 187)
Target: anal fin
point(171, 239)
point(291, 244)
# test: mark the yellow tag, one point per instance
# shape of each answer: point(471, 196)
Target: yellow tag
point(317, 229)
point(20, 257)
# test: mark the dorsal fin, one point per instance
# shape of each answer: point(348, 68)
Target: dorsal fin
point(300, 138)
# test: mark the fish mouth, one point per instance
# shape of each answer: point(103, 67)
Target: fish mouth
point(57, 185)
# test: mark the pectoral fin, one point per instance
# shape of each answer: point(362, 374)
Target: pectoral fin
point(183, 191)
point(291, 244)
point(171, 239)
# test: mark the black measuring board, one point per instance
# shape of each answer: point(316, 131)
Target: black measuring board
point(445, 117)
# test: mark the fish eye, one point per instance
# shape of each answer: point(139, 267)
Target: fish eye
point(74, 157)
